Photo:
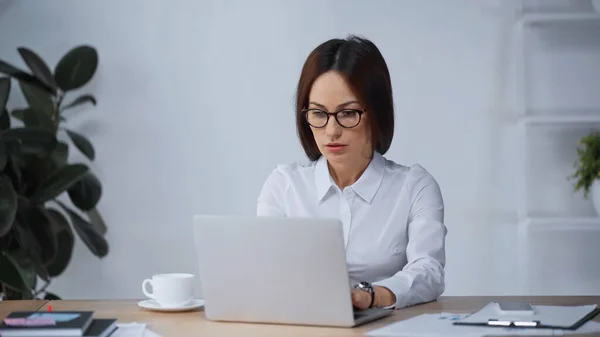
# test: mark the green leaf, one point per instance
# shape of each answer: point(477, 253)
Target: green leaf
point(76, 68)
point(17, 271)
point(60, 154)
point(4, 119)
point(4, 91)
point(38, 222)
point(58, 182)
point(92, 239)
point(83, 144)
point(22, 76)
point(29, 141)
point(8, 205)
point(28, 243)
point(3, 156)
point(34, 118)
point(97, 221)
point(81, 100)
point(86, 193)
point(19, 114)
point(38, 67)
point(65, 240)
point(37, 99)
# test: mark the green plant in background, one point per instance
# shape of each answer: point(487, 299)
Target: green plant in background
point(588, 164)
point(36, 237)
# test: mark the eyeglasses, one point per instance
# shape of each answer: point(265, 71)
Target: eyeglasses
point(347, 118)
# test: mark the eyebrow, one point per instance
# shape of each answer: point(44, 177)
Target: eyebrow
point(339, 106)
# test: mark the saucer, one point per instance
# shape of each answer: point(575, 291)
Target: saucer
point(153, 305)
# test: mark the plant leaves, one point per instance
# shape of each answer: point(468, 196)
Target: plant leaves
point(65, 240)
point(86, 193)
point(28, 243)
point(51, 296)
point(38, 222)
point(60, 154)
point(4, 119)
point(58, 182)
point(92, 239)
point(3, 157)
point(4, 91)
point(34, 118)
point(81, 100)
point(76, 68)
point(38, 67)
point(17, 271)
point(8, 205)
point(22, 76)
point(83, 144)
point(97, 221)
point(38, 100)
point(29, 141)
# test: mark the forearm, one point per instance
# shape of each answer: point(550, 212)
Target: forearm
point(422, 282)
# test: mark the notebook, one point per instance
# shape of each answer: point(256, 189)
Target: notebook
point(101, 328)
point(56, 323)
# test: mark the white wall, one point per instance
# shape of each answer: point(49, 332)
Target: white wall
point(195, 109)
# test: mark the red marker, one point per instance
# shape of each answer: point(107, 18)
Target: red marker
point(49, 308)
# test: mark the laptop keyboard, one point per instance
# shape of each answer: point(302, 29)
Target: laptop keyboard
point(362, 313)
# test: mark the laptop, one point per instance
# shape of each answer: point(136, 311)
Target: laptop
point(276, 270)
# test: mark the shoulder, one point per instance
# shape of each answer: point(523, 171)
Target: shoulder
point(283, 175)
point(414, 178)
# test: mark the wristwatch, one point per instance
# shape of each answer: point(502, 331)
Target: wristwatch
point(366, 286)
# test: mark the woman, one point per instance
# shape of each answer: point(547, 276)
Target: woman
point(392, 214)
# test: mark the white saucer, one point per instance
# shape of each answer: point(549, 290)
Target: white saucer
point(153, 305)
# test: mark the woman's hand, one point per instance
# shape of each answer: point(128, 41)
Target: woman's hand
point(361, 299)
point(383, 298)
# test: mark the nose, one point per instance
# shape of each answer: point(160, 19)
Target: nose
point(333, 130)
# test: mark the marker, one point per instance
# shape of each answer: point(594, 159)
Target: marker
point(49, 308)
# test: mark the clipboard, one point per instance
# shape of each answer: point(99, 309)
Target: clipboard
point(544, 317)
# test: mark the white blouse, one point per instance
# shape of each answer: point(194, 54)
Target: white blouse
point(393, 219)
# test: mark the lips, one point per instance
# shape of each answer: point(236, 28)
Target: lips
point(335, 147)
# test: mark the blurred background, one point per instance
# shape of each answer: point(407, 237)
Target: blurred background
point(195, 108)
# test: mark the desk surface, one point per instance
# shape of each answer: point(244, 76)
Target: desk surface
point(194, 322)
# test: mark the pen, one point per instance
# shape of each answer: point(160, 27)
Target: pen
point(514, 323)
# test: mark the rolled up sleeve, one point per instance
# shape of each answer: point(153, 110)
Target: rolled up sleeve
point(422, 279)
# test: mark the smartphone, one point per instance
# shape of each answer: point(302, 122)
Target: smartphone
point(515, 308)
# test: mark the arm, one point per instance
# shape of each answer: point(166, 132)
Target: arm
point(422, 279)
point(270, 199)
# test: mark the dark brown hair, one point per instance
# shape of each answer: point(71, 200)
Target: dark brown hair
point(359, 61)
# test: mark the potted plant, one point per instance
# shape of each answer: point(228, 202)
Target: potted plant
point(36, 236)
point(587, 173)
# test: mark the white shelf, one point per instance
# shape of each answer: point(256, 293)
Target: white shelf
point(560, 119)
point(541, 18)
point(561, 223)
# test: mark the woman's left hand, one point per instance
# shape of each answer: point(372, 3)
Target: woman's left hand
point(360, 299)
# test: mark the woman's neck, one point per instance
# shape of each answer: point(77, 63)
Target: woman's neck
point(347, 174)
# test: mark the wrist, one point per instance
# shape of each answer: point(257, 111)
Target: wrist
point(384, 297)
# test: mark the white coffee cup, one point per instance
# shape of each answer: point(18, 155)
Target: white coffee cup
point(170, 290)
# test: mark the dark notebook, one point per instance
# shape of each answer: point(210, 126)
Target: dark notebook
point(101, 328)
point(39, 323)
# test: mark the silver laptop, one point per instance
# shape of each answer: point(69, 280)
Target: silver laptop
point(276, 270)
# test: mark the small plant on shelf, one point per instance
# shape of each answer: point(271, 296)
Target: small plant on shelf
point(588, 164)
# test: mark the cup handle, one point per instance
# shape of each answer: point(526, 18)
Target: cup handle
point(146, 292)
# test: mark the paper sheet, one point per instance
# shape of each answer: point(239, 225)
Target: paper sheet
point(430, 325)
point(134, 329)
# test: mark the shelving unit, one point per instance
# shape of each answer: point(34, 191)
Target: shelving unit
point(555, 119)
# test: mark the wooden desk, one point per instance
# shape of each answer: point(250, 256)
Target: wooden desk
point(6, 307)
point(194, 323)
